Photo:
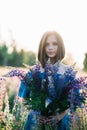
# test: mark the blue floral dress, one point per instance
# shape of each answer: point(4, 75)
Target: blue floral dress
point(31, 120)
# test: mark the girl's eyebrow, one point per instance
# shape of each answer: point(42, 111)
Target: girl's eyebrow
point(53, 42)
point(47, 43)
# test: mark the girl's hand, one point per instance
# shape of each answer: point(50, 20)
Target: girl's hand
point(52, 120)
point(41, 119)
point(61, 115)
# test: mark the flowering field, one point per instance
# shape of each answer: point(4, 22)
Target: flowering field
point(13, 114)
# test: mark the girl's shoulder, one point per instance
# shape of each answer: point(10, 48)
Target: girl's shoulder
point(62, 68)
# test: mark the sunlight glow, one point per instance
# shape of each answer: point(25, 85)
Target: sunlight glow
point(26, 21)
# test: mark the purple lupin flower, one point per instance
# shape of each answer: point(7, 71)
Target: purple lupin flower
point(18, 73)
point(77, 93)
point(2, 79)
point(69, 75)
point(50, 72)
point(51, 88)
point(36, 74)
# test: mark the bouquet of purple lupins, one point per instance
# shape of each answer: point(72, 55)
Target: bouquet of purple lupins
point(51, 91)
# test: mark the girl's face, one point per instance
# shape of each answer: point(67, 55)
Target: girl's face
point(51, 47)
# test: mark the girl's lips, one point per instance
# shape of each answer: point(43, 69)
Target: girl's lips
point(51, 53)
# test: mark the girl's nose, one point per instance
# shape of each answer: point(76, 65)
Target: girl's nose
point(50, 46)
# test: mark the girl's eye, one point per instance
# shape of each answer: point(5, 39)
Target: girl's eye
point(52, 44)
point(47, 44)
point(55, 43)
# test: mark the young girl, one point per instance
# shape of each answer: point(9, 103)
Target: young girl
point(51, 48)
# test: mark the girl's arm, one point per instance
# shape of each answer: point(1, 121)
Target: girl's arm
point(24, 86)
point(60, 116)
point(23, 90)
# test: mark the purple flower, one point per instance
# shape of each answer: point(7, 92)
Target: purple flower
point(64, 91)
point(19, 73)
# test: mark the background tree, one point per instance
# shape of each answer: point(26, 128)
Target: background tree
point(85, 62)
point(3, 54)
point(13, 57)
point(30, 58)
point(21, 57)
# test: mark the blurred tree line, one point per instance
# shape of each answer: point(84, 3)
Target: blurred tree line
point(15, 58)
point(85, 62)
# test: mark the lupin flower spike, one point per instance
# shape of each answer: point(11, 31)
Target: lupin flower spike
point(18, 73)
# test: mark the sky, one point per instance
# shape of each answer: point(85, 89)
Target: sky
point(27, 20)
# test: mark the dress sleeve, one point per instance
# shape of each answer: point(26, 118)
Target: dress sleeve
point(23, 90)
point(24, 85)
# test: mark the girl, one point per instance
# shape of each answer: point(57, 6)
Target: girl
point(51, 47)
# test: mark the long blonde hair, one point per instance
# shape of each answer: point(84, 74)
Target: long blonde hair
point(42, 57)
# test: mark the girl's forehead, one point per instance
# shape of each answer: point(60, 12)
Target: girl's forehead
point(51, 38)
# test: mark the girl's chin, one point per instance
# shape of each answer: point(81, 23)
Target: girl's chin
point(51, 56)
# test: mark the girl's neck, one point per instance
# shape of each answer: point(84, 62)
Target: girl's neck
point(52, 61)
